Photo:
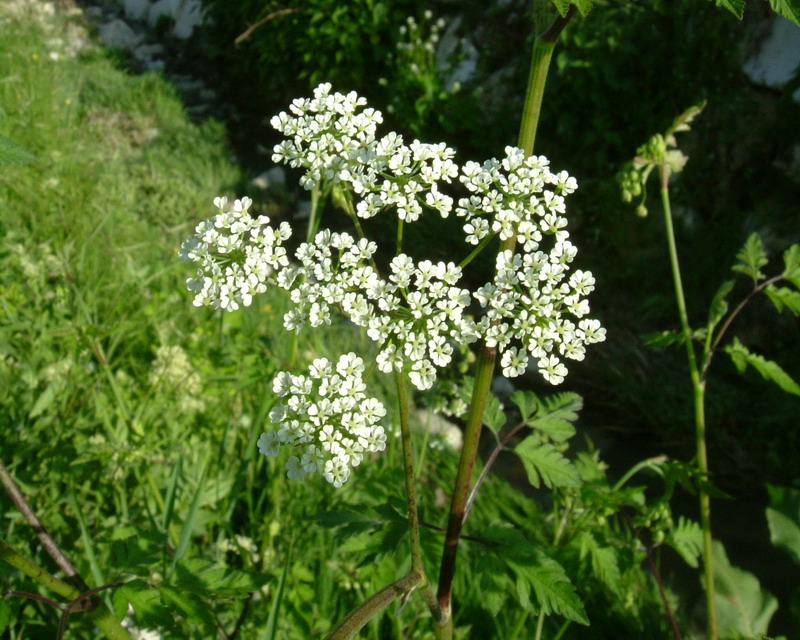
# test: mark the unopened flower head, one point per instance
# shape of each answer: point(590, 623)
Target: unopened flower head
point(237, 255)
point(326, 418)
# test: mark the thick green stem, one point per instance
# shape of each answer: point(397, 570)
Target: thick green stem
point(101, 616)
point(362, 614)
point(540, 62)
point(537, 77)
point(698, 387)
point(469, 450)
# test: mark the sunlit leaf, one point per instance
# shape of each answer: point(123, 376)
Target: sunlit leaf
point(545, 464)
point(751, 258)
point(553, 591)
point(736, 7)
point(769, 370)
point(784, 297)
point(687, 539)
point(789, 9)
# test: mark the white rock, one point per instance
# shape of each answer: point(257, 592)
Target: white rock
point(778, 57)
point(136, 9)
point(118, 34)
point(189, 16)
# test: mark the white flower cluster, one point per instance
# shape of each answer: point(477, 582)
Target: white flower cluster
point(519, 197)
point(412, 315)
point(328, 415)
point(334, 142)
point(237, 256)
point(516, 196)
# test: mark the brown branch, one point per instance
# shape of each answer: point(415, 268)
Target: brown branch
point(244, 36)
point(72, 575)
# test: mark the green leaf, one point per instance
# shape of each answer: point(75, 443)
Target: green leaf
point(784, 297)
point(556, 415)
point(736, 7)
point(44, 401)
point(147, 605)
point(493, 416)
point(5, 614)
point(562, 6)
point(791, 261)
point(554, 592)
point(783, 517)
point(769, 370)
point(188, 605)
point(544, 463)
point(663, 339)
point(204, 578)
point(527, 401)
point(584, 6)
point(751, 258)
point(13, 153)
point(603, 559)
point(743, 609)
point(687, 539)
point(789, 9)
point(495, 584)
point(719, 306)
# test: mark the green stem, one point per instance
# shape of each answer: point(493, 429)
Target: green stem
point(411, 497)
point(540, 625)
point(399, 247)
point(101, 616)
point(469, 451)
point(650, 463)
point(477, 250)
point(537, 77)
point(314, 217)
point(698, 387)
point(362, 614)
point(540, 62)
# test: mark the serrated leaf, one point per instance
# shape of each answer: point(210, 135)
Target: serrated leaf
point(584, 6)
point(784, 297)
point(789, 9)
point(495, 584)
point(552, 588)
point(493, 415)
point(603, 560)
point(769, 370)
point(204, 578)
point(147, 605)
point(736, 7)
point(14, 153)
point(791, 263)
point(545, 464)
point(556, 415)
point(751, 258)
point(743, 609)
point(783, 517)
point(188, 605)
point(687, 539)
point(562, 6)
point(527, 401)
point(719, 306)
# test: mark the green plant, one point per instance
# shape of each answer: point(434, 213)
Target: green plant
point(661, 153)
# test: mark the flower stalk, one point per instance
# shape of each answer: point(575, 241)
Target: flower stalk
point(698, 389)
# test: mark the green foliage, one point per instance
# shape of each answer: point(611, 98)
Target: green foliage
point(545, 464)
point(789, 9)
point(783, 517)
point(751, 258)
point(13, 153)
point(768, 369)
point(687, 539)
point(554, 592)
point(743, 608)
point(736, 7)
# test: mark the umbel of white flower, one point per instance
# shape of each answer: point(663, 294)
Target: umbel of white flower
point(326, 418)
point(236, 256)
point(534, 307)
